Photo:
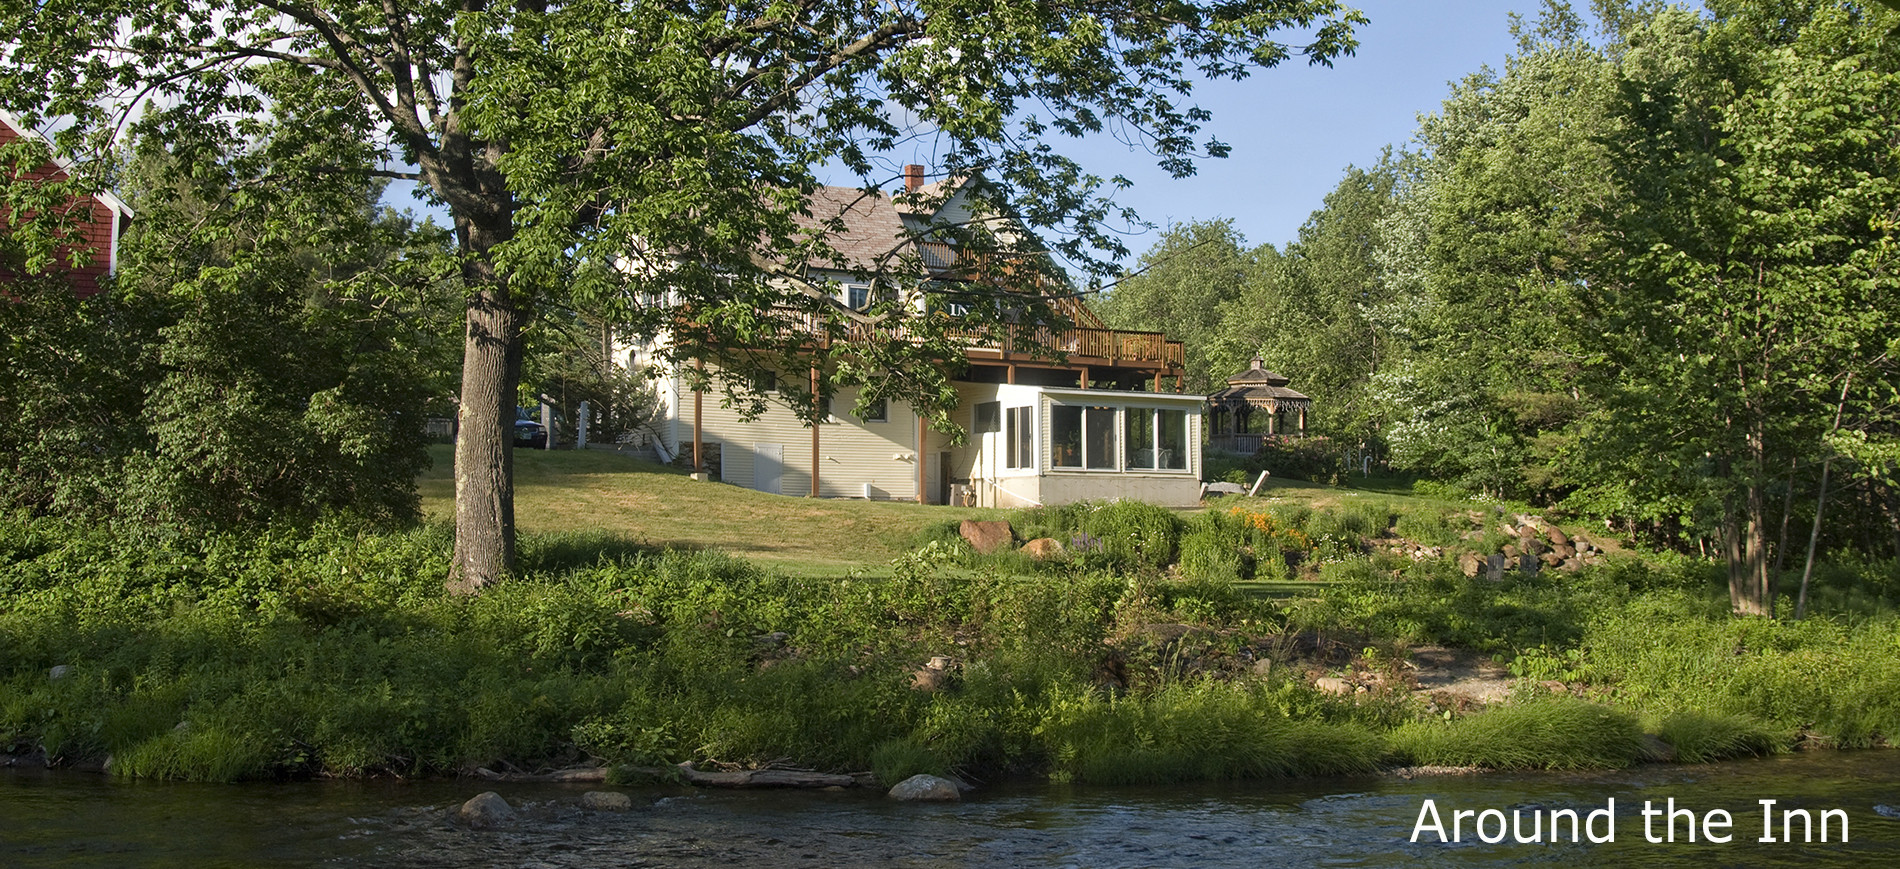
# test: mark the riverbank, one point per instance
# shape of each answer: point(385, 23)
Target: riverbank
point(327, 653)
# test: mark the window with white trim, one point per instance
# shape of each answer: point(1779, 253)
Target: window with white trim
point(1019, 437)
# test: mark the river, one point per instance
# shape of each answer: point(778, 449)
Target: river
point(69, 819)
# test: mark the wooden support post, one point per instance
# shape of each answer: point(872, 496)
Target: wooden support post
point(1302, 422)
point(1011, 376)
point(1085, 377)
point(699, 423)
point(1157, 381)
point(816, 406)
point(920, 456)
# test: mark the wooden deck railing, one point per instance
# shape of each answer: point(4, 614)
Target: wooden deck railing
point(1114, 346)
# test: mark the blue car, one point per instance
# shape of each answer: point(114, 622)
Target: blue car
point(529, 433)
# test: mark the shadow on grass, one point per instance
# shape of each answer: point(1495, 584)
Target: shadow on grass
point(572, 550)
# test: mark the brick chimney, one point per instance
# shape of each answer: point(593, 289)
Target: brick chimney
point(913, 178)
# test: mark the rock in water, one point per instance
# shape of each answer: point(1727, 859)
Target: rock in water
point(486, 811)
point(926, 789)
point(986, 537)
point(606, 801)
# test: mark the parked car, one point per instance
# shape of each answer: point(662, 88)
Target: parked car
point(529, 433)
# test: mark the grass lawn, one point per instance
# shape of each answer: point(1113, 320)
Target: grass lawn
point(591, 490)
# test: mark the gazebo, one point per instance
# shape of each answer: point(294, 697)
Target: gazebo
point(1231, 410)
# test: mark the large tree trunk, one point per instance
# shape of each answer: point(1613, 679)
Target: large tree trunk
point(1744, 542)
point(484, 445)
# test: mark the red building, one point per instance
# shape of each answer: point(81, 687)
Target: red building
point(99, 222)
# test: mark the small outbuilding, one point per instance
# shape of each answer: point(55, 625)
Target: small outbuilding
point(1256, 405)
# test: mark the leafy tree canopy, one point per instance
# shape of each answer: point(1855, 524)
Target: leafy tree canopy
point(675, 141)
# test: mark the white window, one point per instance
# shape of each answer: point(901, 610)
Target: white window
point(879, 411)
point(1083, 437)
point(1156, 439)
point(856, 296)
point(1019, 437)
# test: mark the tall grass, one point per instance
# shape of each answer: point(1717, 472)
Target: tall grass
point(1557, 733)
point(1198, 731)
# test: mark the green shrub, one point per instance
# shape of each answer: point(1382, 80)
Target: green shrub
point(1555, 733)
point(1214, 547)
point(1134, 534)
point(894, 760)
point(1196, 732)
point(1700, 737)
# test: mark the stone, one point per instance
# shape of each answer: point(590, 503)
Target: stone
point(923, 788)
point(606, 801)
point(1558, 537)
point(1333, 685)
point(1470, 563)
point(1564, 550)
point(1571, 565)
point(1509, 530)
point(1532, 546)
point(1043, 548)
point(1225, 488)
point(1550, 559)
point(59, 671)
point(986, 536)
point(1510, 550)
point(773, 640)
point(934, 676)
point(486, 811)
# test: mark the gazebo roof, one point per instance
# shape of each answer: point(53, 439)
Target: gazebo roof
point(1258, 387)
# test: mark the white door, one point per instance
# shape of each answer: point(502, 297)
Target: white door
point(768, 465)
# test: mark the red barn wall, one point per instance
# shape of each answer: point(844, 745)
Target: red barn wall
point(95, 235)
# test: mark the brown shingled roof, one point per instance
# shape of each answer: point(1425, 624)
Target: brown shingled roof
point(872, 228)
point(1259, 387)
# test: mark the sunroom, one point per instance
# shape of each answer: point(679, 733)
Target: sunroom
point(1037, 445)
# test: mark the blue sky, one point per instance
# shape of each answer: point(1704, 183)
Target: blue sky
point(1295, 129)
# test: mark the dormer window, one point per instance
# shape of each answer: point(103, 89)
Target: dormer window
point(856, 296)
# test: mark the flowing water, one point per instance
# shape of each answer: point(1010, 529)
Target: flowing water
point(66, 819)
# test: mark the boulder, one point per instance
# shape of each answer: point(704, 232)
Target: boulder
point(1571, 565)
point(934, 676)
point(486, 811)
point(59, 671)
point(986, 536)
point(1558, 537)
point(1225, 488)
point(1470, 563)
point(1333, 685)
point(1043, 548)
point(923, 788)
point(1550, 559)
point(1564, 550)
point(1510, 551)
point(606, 801)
